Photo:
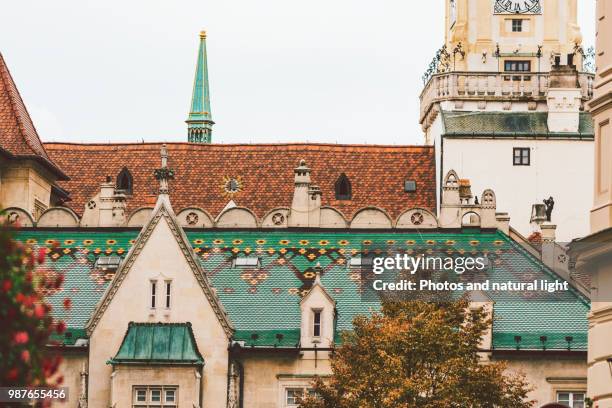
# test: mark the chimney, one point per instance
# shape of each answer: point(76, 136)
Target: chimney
point(564, 100)
point(306, 204)
point(549, 247)
point(503, 222)
point(112, 205)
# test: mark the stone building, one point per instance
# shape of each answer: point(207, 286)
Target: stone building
point(508, 89)
point(224, 276)
point(593, 253)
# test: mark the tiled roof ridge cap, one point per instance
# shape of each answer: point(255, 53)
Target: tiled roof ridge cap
point(6, 78)
point(245, 146)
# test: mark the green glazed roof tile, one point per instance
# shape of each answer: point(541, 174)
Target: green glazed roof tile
point(158, 343)
point(508, 124)
point(265, 300)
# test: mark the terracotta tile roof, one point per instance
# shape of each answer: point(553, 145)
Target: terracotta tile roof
point(18, 136)
point(265, 173)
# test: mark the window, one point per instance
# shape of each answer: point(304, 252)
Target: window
point(316, 327)
point(517, 25)
point(571, 399)
point(153, 293)
point(294, 396)
point(343, 188)
point(168, 292)
point(125, 181)
point(155, 396)
point(517, 66)
point(521, 156)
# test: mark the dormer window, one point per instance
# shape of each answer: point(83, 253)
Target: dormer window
point(125, 181)
point(343, 188)
point(316, 323)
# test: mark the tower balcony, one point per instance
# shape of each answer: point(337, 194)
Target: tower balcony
point(492, 86)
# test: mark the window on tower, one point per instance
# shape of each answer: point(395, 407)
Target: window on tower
point(517, 66)
point(521, 156)
point(517, 25)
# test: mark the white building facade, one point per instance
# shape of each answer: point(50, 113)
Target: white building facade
point(507, 92)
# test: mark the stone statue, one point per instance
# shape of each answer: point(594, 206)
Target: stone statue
point(550, 204)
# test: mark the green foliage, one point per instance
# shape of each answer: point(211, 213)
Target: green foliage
point(418, 355)
point(26, 322)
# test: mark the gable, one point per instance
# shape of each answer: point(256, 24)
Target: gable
point(160, 252)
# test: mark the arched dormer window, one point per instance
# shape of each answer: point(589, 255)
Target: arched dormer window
point(125, 181)
point(343, 188)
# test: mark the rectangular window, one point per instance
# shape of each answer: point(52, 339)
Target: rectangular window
point(153, 293)
point(571, 399)
point(316, 332)
point(168, 292)
point(517, 25)
point(155, 396)
point(521, 156)
point(517, 66)
point(294, 396)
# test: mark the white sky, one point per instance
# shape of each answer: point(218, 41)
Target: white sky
point(346, 71)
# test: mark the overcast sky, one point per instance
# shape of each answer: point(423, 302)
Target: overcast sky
point(346, 71)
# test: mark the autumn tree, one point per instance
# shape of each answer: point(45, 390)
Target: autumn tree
point(26, 323)
point(418, 355)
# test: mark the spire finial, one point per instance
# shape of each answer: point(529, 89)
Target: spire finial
point(199, 122)
point(318, 274)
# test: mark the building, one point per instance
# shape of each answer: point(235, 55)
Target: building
point(507, 89)
point(223, 276)
point(593, 253)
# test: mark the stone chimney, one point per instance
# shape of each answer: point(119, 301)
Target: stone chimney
point(564, 99)
point(112, 205)
point(306, 205)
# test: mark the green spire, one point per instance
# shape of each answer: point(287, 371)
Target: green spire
point(199, 123)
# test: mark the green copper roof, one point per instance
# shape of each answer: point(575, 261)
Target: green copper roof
point(263, 302)
point(200, 117)
point(504, 124)
point(159, 343)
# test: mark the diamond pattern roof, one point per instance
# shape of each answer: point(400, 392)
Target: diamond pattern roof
point(263, 302)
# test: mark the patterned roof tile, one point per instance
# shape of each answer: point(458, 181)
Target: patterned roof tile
point(263, 302)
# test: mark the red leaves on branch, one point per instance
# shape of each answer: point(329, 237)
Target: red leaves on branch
point(27, 326)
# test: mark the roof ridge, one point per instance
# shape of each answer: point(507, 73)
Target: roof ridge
point(148, 145)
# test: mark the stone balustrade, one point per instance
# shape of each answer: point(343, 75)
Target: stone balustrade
point(500, 86)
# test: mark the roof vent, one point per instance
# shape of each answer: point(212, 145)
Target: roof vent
point(108, 262)
point(242, 261)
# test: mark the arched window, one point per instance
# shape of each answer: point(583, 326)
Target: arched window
point(343, 188)
point(125, 181)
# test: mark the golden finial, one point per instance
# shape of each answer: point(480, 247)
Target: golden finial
point(203, 34)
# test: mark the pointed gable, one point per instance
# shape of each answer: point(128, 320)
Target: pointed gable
point(18, 136)
point(162, 214)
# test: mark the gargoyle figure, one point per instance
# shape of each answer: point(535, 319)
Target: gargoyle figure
point(550, 204)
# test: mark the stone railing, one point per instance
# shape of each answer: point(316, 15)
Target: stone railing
point(492, 86)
